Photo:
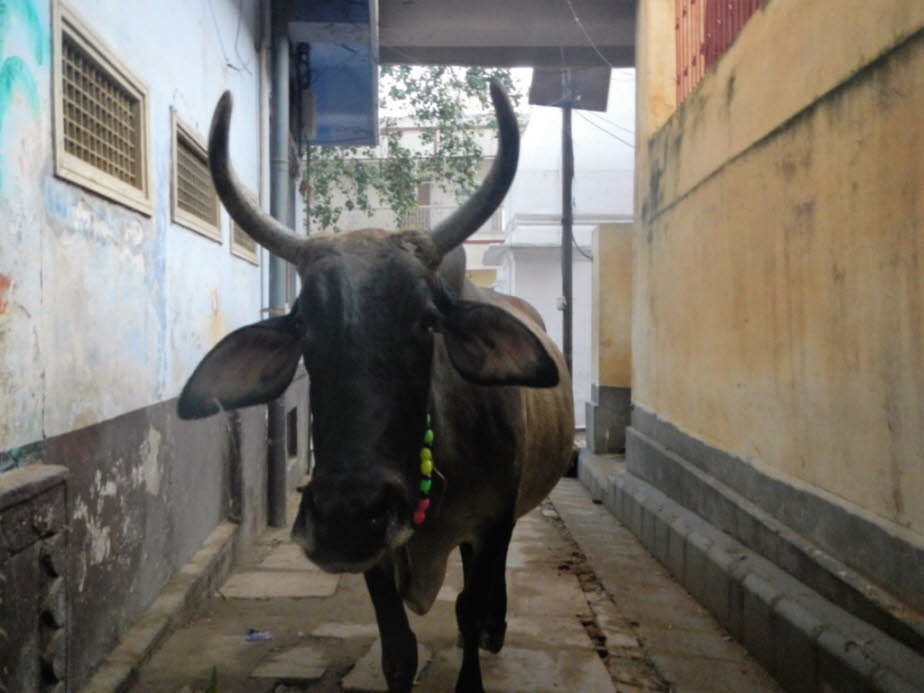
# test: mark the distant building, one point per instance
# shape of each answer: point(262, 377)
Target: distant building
point(435, 203)
point(528, 260)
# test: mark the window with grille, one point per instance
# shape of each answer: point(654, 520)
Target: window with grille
point(100, 116)
point(242, 244)
point(195, 202)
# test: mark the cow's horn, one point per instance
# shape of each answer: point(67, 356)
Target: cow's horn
point(481, 205)
point(263, 228)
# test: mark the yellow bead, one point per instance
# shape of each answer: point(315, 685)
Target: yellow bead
point(426, 454)
point(426, 467)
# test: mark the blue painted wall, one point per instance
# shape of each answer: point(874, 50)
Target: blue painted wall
point(104, 310)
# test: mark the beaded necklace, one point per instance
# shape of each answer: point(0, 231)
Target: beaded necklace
point(426, 470)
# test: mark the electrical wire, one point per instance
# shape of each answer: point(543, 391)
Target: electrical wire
point(593, 45)
point(237, 35)
point(575, 244)
point(603, 129)
point(221, 44)
point(613, 123)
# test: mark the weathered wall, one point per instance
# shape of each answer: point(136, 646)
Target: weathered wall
point(611, 321)
point(778, 308)
point(105, 311)
point(609, 403)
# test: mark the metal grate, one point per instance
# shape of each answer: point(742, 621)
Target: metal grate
point(243, 241)
point(101, 119)
point(704, 30)
point(194, 191)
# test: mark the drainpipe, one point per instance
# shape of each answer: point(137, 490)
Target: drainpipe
point(567, 219)
point(277, 486)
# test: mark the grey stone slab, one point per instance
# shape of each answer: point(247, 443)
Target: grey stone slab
point(555, 631)
point(271, 584)
point(367, 674)
point(544, 594)
point(304, 663)
point(345, 631)
point(288, 556)
point(525, 670)
point(688, 674)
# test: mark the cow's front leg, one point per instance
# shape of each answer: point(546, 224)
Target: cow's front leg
point(399, 646)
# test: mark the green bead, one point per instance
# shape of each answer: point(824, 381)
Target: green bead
point(425, 485)
point(428, 421)
point(428, 437)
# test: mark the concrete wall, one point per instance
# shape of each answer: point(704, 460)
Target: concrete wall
point(778, 304)
point(530, 257)
point(105, 311)
point(608, 407)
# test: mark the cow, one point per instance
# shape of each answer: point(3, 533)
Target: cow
point(441, 412)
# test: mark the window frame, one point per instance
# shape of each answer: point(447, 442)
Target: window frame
point(253, 257)
point(69, 166)
point(193, 222)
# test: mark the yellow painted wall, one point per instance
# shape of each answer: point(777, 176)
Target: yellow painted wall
point(611, 313)
point(779, 287)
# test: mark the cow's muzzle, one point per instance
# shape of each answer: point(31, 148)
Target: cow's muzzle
point(345, 526)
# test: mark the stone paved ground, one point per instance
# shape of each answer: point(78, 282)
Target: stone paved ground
point(566, 631)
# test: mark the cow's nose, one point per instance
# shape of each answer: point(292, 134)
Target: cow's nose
point(348, 520)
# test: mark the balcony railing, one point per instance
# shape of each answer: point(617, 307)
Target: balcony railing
point(425, 217)
point(704, 30)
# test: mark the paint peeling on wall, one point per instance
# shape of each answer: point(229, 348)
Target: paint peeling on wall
point(5, 284)
point(217, 328)
point(150, 450)
point(16, 75)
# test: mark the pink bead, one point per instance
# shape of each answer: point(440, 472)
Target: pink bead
point(423, 504)
point(419, 517)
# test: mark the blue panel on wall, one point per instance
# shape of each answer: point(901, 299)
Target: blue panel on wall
point(343, 73)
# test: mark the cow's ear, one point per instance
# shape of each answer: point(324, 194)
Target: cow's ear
point(489, 346)
point(252, 365)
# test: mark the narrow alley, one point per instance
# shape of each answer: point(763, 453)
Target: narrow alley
point(589, 610)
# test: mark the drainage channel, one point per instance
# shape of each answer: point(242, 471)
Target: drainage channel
point(616, 639)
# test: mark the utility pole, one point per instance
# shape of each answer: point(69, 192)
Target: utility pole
point(582, 88)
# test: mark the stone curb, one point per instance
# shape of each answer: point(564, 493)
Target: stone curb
point(803, 640)
point(204, 573)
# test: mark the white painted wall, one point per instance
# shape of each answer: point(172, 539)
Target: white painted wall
point(529, 260)
point(103, 309)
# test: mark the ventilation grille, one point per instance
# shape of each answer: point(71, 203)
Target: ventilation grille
point(243, 243)
point(101, 119)
point(194, 191)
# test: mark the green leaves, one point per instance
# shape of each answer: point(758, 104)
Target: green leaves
point(442, 102)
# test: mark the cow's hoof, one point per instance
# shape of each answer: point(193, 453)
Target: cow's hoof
point(400, 685)
point(492, 638)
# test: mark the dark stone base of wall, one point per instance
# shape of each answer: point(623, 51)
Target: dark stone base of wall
point(811, 620)
point(34, 623)
point(145, 493)
point(199, 578)
point(607, 418)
